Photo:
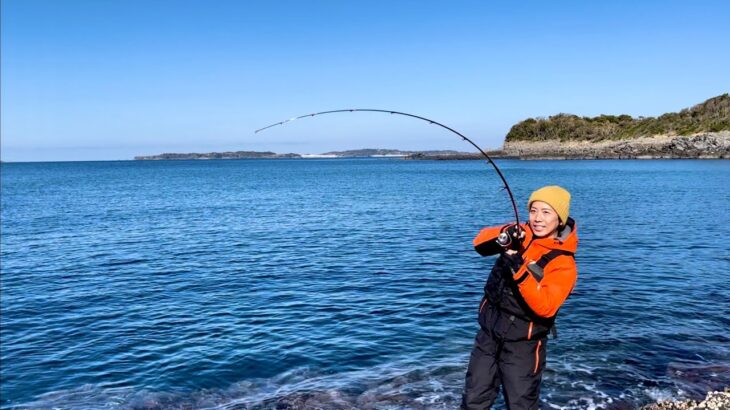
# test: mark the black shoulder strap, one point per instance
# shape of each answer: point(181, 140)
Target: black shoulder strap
point(546, 258)
point(537, 269)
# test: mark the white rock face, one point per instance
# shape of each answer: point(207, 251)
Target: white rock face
point(704, 145)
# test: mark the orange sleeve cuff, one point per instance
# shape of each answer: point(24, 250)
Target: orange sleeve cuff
point(485, 242)
point(487, 234)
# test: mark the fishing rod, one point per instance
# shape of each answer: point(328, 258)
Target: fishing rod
point(505, 240)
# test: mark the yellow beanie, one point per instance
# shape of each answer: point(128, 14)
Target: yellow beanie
point(557, 197)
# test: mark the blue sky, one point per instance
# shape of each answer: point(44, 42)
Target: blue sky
point(102, 79)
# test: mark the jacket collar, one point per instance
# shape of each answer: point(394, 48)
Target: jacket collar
point(567, 239)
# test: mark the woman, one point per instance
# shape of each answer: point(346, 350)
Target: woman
point(529, 281)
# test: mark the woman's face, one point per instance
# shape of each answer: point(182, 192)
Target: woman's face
point(544, 220)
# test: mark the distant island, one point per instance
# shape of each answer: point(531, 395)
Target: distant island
point(375, 152)
point(413, 155)
point(217, 155)
point(702, 131)
point(355, 153)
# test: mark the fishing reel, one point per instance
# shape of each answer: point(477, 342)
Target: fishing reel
point(511, 237)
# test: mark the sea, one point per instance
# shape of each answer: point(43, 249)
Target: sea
point(346, 283)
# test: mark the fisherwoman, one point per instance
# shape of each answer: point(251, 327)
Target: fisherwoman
point(530, 280)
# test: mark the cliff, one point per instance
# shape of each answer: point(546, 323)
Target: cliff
point(704, 145)
point(712, 115)
point(702, 131)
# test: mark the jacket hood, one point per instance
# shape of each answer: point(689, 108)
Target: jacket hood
point(567, 239)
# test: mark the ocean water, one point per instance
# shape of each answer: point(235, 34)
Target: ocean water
point(257, 284)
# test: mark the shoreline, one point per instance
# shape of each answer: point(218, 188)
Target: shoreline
point(714, 145)
point(711, 145)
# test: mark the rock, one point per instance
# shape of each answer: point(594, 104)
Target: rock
point(704, 145)
point(713, 401)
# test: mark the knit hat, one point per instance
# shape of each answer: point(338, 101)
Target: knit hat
point(557, 197)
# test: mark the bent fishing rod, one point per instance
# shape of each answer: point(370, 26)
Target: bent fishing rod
point(463, 137)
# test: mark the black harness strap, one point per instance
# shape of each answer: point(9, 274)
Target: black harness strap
point(537, 269)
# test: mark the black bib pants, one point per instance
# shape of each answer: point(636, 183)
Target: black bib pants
point(509, 350)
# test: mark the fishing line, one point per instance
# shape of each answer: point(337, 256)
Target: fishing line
point(463, 137)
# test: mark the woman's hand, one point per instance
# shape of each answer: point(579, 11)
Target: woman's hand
point(512, 260)
point(511, 237)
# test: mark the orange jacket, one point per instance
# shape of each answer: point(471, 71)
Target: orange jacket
point(544, 295)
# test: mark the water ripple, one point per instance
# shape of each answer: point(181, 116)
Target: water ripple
point(341, 284)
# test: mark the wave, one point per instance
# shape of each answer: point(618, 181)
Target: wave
point(404, 385)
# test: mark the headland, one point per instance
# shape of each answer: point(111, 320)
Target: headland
point(700, 132)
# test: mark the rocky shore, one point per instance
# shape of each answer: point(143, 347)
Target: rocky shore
point(460, 156)
point(703, 145)
point(713, 401)
point(709, 145)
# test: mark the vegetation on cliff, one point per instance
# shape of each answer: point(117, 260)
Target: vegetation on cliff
point(712, 115)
